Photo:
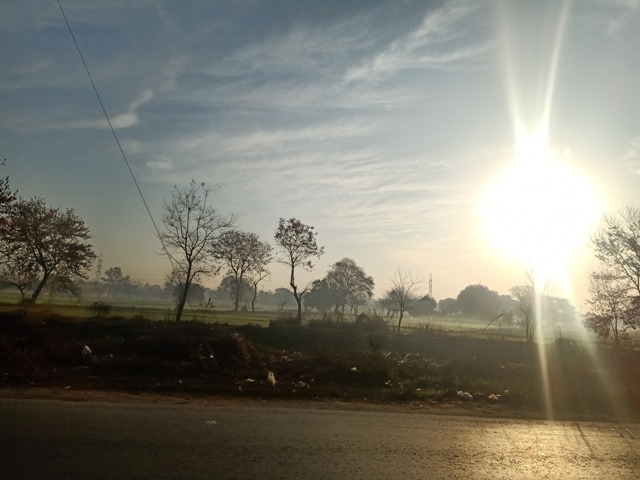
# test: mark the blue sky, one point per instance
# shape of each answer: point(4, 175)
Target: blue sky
point(381, 123)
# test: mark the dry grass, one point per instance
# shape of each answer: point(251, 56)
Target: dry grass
point(324, 360)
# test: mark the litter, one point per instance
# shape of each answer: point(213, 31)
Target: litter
point(271, 378)
point(465, 395)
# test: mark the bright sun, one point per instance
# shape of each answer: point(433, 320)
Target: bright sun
point(538, 210)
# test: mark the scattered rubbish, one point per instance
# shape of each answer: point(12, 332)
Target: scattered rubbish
point(506, 392)
point(355, 369)
point(418, 389)
point(271, 378)
point(493, 397)
point(302, 384)
point(68, 387)
point(87, 354)
point(249, 380)
point(211, 422)
point(464, 395)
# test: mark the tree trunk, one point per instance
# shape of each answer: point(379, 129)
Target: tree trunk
point(400, 320)
point(36, 294)
point(292, 284)
point(299, 300)
point(183, 297)
point(236, 300)
point(253, 300)
point(183, 300)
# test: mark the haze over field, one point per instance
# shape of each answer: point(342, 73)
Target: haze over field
point(467, 140)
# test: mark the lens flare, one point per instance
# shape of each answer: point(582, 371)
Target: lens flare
point(538, 210)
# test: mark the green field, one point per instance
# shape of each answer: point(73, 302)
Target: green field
point(163, 310)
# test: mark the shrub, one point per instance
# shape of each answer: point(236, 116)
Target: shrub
point(283, 319)
point(371, 323)
point(100, 309)
point(363, 322)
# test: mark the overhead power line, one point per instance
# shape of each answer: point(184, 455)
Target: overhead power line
point(106, 115)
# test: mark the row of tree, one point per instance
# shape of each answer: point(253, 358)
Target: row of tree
point(41, 246)
point(199, 241)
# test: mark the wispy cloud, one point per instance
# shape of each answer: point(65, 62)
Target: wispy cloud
point(336, 66)
point(627, 14)
point(118, 121)
point(631, 156)
point(426, 47)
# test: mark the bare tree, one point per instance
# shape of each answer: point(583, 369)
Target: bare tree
point(259, 273)
point(191, 226)
point(529, 297)
point(297, 243)
point(525, 296)
point(45, 242)
point(617, 245)
point(613, 310)
point(244, 255)
point(615, 291)
point(404, 291)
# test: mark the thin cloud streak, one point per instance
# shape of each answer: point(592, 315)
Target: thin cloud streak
point(412, 51)
point(119, 121)
point(631, 157)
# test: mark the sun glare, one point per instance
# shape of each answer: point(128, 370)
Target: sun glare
point(539, 209)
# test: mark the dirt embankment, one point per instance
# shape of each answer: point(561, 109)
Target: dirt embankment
point(344, 363)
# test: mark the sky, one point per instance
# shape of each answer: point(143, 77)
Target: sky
point(382, 123)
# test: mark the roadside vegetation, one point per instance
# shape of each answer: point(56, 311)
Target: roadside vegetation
point(329, 358)
point(65, 322)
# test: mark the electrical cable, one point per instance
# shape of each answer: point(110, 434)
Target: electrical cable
point(126, 161)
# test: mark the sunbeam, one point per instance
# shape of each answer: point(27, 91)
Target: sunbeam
point(539, 208)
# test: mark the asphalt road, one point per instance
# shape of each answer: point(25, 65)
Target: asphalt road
point(92, 441)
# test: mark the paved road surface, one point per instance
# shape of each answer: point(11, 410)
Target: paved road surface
point(94, 441)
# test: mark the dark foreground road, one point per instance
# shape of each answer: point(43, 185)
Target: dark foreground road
point(93, 441)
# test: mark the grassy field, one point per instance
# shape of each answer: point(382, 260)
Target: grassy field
point(223, 314)
point(156, 310)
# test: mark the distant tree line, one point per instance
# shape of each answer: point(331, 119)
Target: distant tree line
point(48, 249)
